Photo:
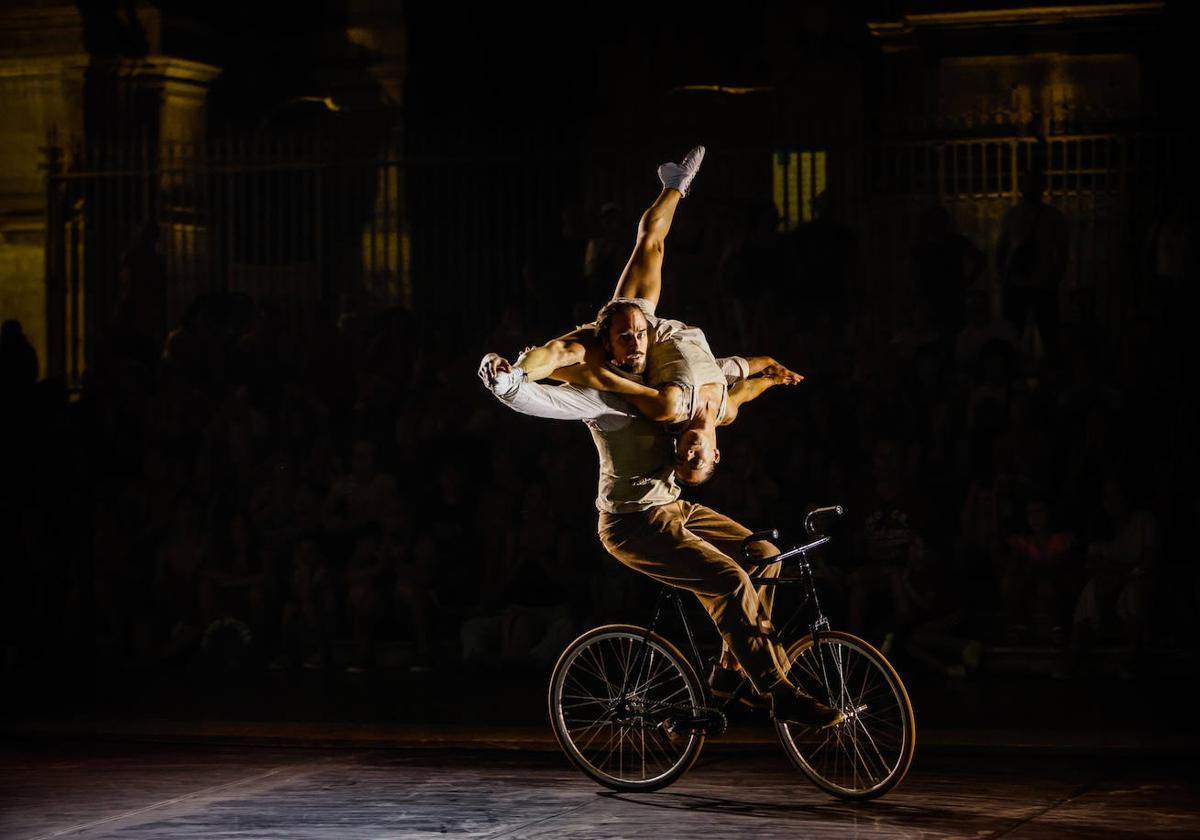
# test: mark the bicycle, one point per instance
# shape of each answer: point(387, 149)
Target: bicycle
point(629, 710)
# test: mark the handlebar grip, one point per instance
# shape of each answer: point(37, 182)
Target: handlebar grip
point(821, 511)
point(770, 534)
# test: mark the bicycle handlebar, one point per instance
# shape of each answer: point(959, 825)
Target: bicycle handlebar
point(773, 533)
point(821, 511)
point(770, 534)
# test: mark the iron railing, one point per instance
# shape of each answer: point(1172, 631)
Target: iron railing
point(306, 224)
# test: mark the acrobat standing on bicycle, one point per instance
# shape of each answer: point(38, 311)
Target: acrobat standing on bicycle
point(643, 521)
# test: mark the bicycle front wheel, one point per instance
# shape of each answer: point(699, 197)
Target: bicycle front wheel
point(868, 754)
point(621, 699)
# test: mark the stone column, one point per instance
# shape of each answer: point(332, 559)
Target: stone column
point(41, 84)
point(46, 74)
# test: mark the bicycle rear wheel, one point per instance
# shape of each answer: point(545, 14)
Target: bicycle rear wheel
point(618, 700)
point(868, 754)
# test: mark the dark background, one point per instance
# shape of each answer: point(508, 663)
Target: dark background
point(251, 473)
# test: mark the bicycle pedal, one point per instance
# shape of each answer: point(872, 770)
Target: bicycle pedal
point(712, 723)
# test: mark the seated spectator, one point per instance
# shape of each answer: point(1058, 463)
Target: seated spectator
point(1023, 452)
point(411, 561)
point(1038, 576)
point(281, 508)
point(987, 405)
point(415, 596)
point(890, 512)
point(232, 582)
point(943, 264)
point(309, 610)
point(1121, 564)
point(931, 615)
point(356, 500)
point(180, 561)
point(527, 618)
point(980, 330)
point(122, 543)
point(980, 549)
point(364, 603)
point(237, 434)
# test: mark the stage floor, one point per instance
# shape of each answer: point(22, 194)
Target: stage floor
point(169, 791)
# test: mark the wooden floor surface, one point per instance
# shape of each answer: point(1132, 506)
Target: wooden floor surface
point(211, 792)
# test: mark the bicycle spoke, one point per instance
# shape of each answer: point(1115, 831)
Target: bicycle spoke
point(610, 700)
point(625, 646)
point(613, 689)
point(861, 754)
point(866, 732)
point(860, 760)
point(642, 688)
point(597, 726)
point(665, 701)
point(584, 687)
point(585, 703)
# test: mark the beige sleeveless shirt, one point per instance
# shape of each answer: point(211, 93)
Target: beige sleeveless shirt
point(637, 466)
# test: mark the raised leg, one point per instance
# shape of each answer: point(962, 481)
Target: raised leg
point(642, 277)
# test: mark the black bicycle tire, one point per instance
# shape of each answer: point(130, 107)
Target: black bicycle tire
point(557, 725)
point(908, 748)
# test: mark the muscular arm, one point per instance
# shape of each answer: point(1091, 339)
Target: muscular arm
point(584, 363)
point(568, 350)
point(663, 404)
point(512, 387)
point(578, 359)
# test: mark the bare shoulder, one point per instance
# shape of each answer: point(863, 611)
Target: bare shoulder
point(675, 403)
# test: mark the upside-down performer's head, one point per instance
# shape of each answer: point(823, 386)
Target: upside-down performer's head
point(696, 454)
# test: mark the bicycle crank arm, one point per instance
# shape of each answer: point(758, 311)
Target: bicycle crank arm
point(713, 723)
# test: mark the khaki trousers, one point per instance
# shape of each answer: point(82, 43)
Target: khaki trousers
point(693, 547)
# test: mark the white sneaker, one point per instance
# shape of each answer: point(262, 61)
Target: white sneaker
point(678, 176)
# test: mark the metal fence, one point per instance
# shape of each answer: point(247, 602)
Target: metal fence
point(294, 221)
point(307, 224)
point(1110, 188)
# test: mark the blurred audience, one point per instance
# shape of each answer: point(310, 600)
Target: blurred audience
point(338, 491)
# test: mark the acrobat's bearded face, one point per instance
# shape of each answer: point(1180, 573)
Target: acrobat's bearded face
point(628, 340)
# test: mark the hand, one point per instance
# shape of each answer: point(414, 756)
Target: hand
point(780, 375)
point(492, 365)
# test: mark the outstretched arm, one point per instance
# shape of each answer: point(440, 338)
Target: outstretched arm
point(571, 349)
point(578, 359)
point(663, 404)
point(513, 388)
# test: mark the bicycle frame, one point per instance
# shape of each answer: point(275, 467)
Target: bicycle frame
point(666, 594)
point(805, 579)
